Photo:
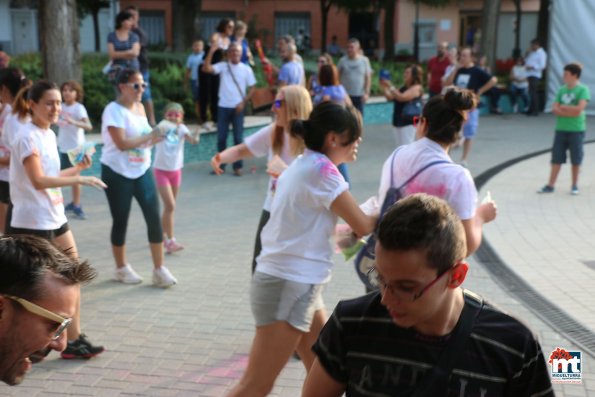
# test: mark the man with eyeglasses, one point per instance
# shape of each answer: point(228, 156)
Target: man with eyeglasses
point(390, 342)
point(39, 292)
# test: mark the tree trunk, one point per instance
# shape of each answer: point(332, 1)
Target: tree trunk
point(186, 27)
point(489, 31)
point(325, 6)
point(543, 22)
point(516, 52)
point(60, 40)
point(389, 29)
point(96, 30)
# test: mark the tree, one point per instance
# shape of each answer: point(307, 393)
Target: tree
point(543, 22)
point(516, 52)
point(60, 42)
point(490, 14)
point(325, 6)
point(389, 28)
point(92, 7)
point(186, 15)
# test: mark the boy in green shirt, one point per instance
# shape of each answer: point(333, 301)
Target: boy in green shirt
point(571, 124)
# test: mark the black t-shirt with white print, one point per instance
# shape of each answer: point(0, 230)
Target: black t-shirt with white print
point(472, 78)
point(361, 347)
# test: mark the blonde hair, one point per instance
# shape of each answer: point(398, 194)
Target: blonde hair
point(298, 105)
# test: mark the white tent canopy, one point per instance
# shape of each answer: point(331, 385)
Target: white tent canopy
point(571, 40)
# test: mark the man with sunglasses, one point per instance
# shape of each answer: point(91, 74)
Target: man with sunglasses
point(39, 292)
point(390, 342)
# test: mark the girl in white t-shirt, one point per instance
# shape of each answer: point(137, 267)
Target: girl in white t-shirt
point(438, 129)
point(169, 160)
point(35, 188)
point(274, 141)
point(295, 262)
point(11, 81)
point(72, 124)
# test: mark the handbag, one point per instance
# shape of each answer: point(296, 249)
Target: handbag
point(435, 382)
point(411, 109)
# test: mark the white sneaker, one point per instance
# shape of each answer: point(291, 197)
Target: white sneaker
point(163, 278)
point(127, 275)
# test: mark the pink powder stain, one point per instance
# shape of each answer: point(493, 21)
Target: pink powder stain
point(326, 168)
point(435, 190)
point(232, 368)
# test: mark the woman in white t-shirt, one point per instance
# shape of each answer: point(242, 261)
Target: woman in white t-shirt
point(35, 182)
point(12, 81)
point(292, 102)
point(439, 127)
point(169, 160)
point(295, 262)
point(519, 85)
point(126, 169)
point(72, 124)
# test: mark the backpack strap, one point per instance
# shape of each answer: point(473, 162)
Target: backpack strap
point(422, 169)
point(435, 381)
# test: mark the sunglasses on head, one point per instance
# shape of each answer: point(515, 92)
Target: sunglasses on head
point(137, 86)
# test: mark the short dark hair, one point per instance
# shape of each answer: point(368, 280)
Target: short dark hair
point(27, 259)
point(425, 222)
point(536, 41)
point(328, 75)
point(125, 75)
point(121, 17)
point(574, 68)
point(328, 117)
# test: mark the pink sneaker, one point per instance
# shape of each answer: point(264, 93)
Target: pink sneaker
point(172, 246)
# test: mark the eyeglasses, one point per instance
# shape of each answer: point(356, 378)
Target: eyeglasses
point(402, 293)
point(137, 86)
point(40, 311)
point(416, 120)
point(278, 103)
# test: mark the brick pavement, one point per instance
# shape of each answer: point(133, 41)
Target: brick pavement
point(193, 339)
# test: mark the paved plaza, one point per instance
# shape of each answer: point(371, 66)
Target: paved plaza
point(193, 339)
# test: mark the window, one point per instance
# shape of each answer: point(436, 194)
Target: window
point(296, 24)
point(427, 32)
point(153, 23)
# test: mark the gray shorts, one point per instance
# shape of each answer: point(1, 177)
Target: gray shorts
point(275, 299)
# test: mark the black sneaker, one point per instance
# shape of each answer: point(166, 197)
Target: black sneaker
point(81, 348)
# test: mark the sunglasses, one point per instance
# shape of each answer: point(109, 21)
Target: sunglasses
point(278, 103)
point(174, 114)
point(137, 86)
point(40, 311)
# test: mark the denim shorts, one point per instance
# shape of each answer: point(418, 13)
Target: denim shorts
point(275, 299)
point(45, 234)
point(4, 192)
point(564, 141)
point(195, 91)
point(147, 92)
point(470, 126)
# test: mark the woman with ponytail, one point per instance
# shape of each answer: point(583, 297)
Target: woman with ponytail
point(35, 182)
point(274, 141)
point(12, 81)
point(295, 262)
point(438, 128)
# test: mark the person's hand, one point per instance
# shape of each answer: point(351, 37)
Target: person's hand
point(92, 181)
point(487, 211)
point(86, 163)
point(240, 108)
point(365, 98)
point(385, 83)
point(216, 164)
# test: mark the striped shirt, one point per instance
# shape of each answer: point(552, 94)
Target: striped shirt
point(361, 347)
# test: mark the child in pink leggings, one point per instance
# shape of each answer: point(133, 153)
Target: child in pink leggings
point(169, 160)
